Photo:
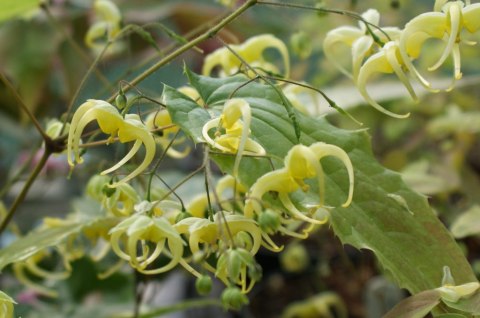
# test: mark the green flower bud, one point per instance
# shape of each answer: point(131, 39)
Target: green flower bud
point(294, 258)
point(255, 272)
point(232, 298)
point(121, 100)
point(203, 285)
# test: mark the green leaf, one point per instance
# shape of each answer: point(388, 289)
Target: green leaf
point(144, 34)
point(416, 306)
point(34, 242)
point(12, 8)
point(467, 224)
point(386, 216)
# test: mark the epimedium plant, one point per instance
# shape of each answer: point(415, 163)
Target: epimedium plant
point(285, 173)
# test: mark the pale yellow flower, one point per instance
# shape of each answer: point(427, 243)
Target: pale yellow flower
point(106, 27)
point(387, 61)
point(161, 119)
point(252, 51)
point(111, 122)
point(359, 40)
point(301, 163)
point(446, 25)
point(226, 229)
point(235, 140)
point(451, 292)
point(31, 266)
point(138, 232)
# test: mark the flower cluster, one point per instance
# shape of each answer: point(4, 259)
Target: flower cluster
point(217, 233)
point(390, 50)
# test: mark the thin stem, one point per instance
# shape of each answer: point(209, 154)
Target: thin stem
point(157, 164)
point(23, 106)
point(84, 79)
point(18, 174)
point(187, 46)
point(208, 181)
point(74, 44)
point(334, 11)
point(330, 102)
point(21, 196)
point(188, 177)
point(186, 304)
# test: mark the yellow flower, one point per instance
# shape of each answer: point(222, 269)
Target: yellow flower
point(387, 61)
point(31, 266)
point(453, 293)
point(235, 140)
point(301, 163)
point(240, 236)
point(108, 24)
point(122, 201)
point(446, 25)
point(139, 232)
point(107, 117)
point(111, 122)
point(6, 305)
point(252, 52)
point(359, 40)
point(162, 119)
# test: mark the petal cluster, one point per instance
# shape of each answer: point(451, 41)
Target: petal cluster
point(232, 131)
point(111, 122)
point(301, 163)
point(252, 52)
point(107, 25)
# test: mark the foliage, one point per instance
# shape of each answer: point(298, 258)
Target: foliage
point(283, 163)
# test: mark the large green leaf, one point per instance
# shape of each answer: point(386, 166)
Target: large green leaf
point(385, 217)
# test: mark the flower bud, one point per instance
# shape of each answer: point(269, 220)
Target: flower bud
point(121, 100)
point(294, 259)
point(232, 298)
point(203, 285)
